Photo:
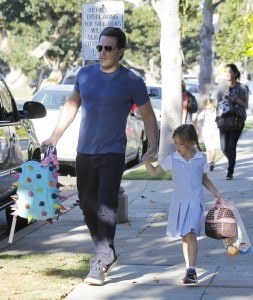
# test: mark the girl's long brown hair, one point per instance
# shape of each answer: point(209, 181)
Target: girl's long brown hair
point(187, 133)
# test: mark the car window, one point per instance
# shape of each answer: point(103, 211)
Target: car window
point(192, 88)
point(154, 92)
point(52, 99)
point(70, 78)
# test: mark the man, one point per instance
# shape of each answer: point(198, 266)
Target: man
point(105, 92)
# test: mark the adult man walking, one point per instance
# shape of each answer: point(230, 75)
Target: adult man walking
point(105, 92)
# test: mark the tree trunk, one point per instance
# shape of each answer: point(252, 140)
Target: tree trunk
point(171, 59)
point(206, 52)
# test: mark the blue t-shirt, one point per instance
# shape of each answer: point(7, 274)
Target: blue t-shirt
point(106, 100)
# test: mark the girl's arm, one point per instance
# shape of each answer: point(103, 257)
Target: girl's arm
point(153, 171)
point(209, 185)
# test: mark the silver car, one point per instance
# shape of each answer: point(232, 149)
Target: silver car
point(155, 96)
point(53, 97)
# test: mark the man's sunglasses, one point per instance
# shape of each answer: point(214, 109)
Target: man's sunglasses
point(107, 48)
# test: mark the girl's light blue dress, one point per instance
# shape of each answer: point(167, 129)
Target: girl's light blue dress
point(186, 210)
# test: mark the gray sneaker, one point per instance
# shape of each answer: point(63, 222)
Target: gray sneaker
point(108, 268)
point(96, 275)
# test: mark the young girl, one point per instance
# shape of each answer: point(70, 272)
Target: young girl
point(189, 170)
point(209, 130)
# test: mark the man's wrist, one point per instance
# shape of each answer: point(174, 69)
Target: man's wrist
point(153, 148)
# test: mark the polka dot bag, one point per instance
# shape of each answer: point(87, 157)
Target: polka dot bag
point(38, 196)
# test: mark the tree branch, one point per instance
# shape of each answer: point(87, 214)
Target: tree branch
point(133, 65)
point(218, 3)
point(43, 47)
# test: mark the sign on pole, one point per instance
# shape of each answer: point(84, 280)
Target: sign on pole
point(95, 17)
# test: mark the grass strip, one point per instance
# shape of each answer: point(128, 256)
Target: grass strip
point(41, 276)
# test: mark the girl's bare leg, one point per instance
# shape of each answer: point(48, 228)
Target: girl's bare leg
point(190, 249)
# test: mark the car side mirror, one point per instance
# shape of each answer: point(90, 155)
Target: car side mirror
point(32, 110)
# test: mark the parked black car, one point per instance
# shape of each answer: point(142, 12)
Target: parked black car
point(18, 143)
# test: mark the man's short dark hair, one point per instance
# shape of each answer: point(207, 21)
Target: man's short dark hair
point(117, 33)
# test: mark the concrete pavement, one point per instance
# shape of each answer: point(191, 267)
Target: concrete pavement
point(151, 264)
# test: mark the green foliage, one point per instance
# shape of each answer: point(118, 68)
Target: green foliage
point(143, 35)
point(190, 17)
point(249, 33)
point(29, 23)
point(230, 41)
point(21, 39)
point(14, 11)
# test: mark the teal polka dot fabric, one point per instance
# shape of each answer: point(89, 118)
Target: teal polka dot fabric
point(38, 196)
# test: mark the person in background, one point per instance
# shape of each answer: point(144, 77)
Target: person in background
point(209, 130)
point(186, 115)
point(105, 92)
point(236, 92)
point(189, 171)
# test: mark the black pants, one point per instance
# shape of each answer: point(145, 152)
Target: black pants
point(228, 141)
point(98, 182)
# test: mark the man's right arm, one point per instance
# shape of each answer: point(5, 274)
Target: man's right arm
point(151, 129)
point(67, 115)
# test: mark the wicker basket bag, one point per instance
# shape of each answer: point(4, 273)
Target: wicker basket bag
point(220, 222)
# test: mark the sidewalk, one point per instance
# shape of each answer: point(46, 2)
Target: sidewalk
point(150, 264)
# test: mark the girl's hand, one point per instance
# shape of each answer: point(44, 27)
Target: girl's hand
point(218, 196)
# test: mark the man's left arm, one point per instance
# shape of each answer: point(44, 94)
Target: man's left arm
point(151, 129)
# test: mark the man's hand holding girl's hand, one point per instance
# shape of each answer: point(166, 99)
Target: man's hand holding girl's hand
point(150, 155)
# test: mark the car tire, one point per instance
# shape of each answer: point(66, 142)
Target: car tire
point(21, 222)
